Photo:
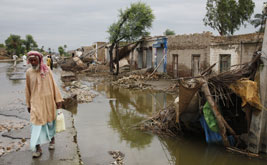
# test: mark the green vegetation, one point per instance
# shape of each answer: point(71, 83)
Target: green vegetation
point(259, 21)
point(226, 16)
point(169, 32)
point(61, 50)
point(29, 43)
point(15, 45)
point(133, 23)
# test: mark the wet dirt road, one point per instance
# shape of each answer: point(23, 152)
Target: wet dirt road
point(15, 125)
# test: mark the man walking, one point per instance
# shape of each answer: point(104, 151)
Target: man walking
point(43, 98)
point(24, 58)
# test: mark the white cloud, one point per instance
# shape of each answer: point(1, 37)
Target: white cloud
point(82, 22)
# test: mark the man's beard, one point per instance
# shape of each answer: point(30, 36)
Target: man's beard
point(36, 68)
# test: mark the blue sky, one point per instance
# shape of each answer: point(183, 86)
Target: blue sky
point(78, 23)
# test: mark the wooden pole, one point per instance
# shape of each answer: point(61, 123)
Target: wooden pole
point(219, 117)
point(257, 139)
point(157, 66)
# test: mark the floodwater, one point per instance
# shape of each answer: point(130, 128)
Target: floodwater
point(106, 125)
point(9, 88)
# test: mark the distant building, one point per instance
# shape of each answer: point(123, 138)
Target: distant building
point(3, 52)
point(189, 54)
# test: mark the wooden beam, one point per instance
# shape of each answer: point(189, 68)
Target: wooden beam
point(217, 114)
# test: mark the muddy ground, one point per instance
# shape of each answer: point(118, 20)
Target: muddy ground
point(15, 125)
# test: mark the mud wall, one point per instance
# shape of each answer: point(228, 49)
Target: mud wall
point(216, 51)
point(248, 49)
point(3, 52)
point(101, 54)
point(239, 47)
point(140, 52)
point(185, 58)
point(185, 46)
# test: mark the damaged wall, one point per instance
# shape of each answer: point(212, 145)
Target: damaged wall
point(239, 48)
point(217, 51)
point(100, 51)
point(186, 47)
point(143, 55)
point(3, 51)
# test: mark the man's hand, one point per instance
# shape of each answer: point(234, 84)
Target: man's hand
point(29, 109)
point(59, 105)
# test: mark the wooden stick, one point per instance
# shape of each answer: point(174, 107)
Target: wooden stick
point(157, 67)
point(216, 112)
point(242, 152)
point(208, 69)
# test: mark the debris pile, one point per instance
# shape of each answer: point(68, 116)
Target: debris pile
point(162, 123)
point(117, 156)
point(83, 92)
point(72, 64)
point(132, 82)
point(96, 68)
point(221, 104)
point(68, 76)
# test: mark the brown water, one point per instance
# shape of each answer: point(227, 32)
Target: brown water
point(105, 125)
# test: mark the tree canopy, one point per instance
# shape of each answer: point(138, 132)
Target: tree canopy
point(226, 16)
point(61, 50)
point(29, 43)
point(18, 46)
point(14, 45)
point(133, 23)
point(259, 21)
point(168, 32)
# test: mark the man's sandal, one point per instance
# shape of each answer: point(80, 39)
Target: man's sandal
point(51, 146)
point(36, 154)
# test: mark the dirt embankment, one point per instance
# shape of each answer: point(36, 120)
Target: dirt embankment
point(4, 57)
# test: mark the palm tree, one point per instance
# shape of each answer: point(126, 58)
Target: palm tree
point(259, 21)
point(61, 50)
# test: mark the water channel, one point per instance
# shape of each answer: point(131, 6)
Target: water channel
point(106, 125)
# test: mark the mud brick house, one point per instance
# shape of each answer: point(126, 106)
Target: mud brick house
point(233, 50)
point(99, 52)
point(188, 54)
point(150, 53)
point(3, 52)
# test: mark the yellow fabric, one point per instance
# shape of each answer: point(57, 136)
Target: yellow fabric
point(42, 94)
point(249, 92)
point(48, 61)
